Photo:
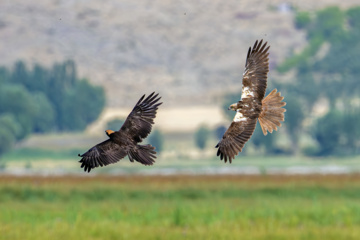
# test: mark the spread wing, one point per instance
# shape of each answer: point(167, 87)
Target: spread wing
point(235, 137)
point(255, 74)
point(139, 122)
point(253, 91)
point(102, 154)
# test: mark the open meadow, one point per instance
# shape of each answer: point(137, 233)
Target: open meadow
point(181, 207)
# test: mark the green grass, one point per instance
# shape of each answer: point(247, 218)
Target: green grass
point(217, 207)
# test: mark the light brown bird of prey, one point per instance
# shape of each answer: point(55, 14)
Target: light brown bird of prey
point(136, 127)
point(253, 105)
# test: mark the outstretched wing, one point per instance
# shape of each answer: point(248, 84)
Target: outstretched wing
point(235, 137)
point(102, 154)
point(139, 122)
point(255, 74)
point(253, 91)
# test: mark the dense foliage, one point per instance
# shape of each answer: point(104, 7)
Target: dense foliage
point(43, 100)
point(327, 69)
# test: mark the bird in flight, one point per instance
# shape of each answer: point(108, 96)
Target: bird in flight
point(136, 127)
point(252, 106)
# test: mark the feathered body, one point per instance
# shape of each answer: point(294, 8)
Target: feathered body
point(136, 127)
point(253, 105)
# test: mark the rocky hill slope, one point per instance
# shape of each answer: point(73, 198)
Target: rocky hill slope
point(192, 52)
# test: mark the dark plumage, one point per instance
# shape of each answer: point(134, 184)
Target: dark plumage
point(253, 105)
point(136, 127)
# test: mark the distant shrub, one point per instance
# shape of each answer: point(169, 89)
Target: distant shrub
point(302, 19)
point(310, 150)
point(28, 165)
point(338, 133)
point(2, 165)
point(219, 132)
point(8, 121)
point(7, 139)
point(156, 139)
point(201, 137)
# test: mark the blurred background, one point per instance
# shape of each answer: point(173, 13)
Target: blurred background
point(71, 69)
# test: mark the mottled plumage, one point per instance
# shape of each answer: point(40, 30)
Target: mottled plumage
point(136, 127)
point(252, 105)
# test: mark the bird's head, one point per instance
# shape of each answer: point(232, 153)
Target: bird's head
point(109, 132)
point(233, 107)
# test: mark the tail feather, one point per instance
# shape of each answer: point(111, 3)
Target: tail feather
point(144, 154)
point(272, 112)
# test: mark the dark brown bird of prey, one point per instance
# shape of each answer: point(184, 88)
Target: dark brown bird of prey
point(253, 105)
point(136, 127)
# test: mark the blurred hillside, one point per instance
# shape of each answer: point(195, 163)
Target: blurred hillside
point(189, 51)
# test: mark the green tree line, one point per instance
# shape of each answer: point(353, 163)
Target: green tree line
point(328, 68)
point(41, 100)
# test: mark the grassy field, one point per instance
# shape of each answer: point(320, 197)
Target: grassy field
point(180, 207)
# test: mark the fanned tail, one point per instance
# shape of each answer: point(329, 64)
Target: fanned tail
point(144, 154)
point(272, 112)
